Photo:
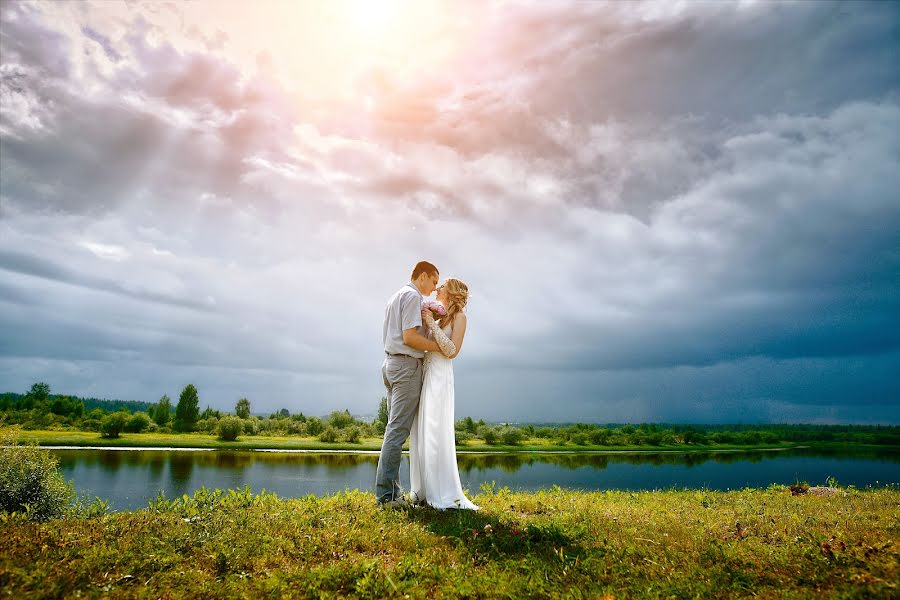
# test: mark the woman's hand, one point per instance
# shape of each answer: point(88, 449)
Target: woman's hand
point(427, 317)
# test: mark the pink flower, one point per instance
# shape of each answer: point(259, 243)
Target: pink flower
point(435, 307)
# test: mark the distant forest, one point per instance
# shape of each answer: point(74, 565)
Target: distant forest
point(11, 399)
point(39, 409)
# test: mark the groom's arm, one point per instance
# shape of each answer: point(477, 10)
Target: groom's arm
point(414, 339)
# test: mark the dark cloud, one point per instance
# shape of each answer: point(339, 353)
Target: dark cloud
point(26, 264)
point(663, 213)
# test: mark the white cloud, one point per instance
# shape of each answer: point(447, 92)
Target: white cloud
point(188, 219)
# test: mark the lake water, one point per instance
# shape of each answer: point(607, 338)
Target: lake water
point(128, 479)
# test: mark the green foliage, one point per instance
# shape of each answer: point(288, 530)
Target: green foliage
point(511, 436)
point(469, 426)
point(210, 413)
point(251, 426)
point(66, 406)
point(30, 482)
point(328, 435)
point(352, 435)
point(229, 427)
point(489, 435)
point(314, 426)
point(381, 420)
point(39, 394)
point(113, 424)
point(242, 408)
point(137, 423)
point(341, 419)
point(188, 409)
point(462, 436)
point(162, 411)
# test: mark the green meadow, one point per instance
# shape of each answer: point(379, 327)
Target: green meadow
point(373, 443)
point(549, 544)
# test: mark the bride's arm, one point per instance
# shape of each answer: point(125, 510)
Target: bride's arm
point(448, 348)
point(458, 333)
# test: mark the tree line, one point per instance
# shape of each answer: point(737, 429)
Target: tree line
point(39, 409)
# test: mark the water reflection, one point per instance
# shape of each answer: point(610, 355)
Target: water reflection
point(130, 478)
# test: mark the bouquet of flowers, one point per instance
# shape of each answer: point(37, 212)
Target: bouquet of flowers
point(437, 309)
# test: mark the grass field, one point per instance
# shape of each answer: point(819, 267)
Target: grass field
point(550, 544)
point(202, 440)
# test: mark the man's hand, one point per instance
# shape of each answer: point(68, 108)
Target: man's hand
point(414, 339)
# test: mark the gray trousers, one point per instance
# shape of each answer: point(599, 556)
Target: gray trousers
point(403, 380)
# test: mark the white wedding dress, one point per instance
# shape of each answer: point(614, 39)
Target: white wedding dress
point(433, 474)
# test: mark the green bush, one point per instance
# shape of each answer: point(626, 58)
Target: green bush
point(296, 427)
point(341, 419)
point(580, 438)
point(462, 437)
point(30, 482)
point(489, 435)
point(113, 424)
point(138, 422)
point(352, 435)
point(229, 427)
point(251, 425)
point(328, 435)
point(511, 436)
point(314, 426)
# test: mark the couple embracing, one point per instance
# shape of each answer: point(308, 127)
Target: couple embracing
point(418, 375)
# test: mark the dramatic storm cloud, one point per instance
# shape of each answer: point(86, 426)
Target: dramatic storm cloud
point(664, 212)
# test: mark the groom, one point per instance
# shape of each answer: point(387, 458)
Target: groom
point(404, 347)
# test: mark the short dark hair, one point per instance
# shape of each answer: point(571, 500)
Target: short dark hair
point(424, 267)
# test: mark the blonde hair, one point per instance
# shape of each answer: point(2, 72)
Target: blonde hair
point(457, 297)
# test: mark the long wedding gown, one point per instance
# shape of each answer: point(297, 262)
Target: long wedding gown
point(434, 476)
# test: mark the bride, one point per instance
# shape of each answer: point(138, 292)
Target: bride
point(434, 476)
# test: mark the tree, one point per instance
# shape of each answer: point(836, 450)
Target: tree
point(229, 428)
point(340, 419)
point(162, 412)
point(209, 413)
point(314, 426)
point(383, 413)
point(113, 424)
point(137, 423)
point(383, 416)
point(38, 394)
point(188, 409)
point(242, 408)
point(469, 425)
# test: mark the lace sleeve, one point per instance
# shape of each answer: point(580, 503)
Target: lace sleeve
point(448, 348)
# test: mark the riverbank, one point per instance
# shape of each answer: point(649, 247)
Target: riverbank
point(199, 441)
point(546, 544)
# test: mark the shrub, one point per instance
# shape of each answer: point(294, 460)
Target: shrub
point(511, 436)
point(229, 427)
point(296, 427)
point(600, 437)
point(113, 424)
point(462, 437)
point(489, 435)
point(138, 422)
point(580, 438)
point(314, 426)
point(352, 435)
point(341, 419)
point(30, 482)
point(251, 425)
point(328, 435)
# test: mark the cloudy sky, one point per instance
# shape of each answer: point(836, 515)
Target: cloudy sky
point(676, 211)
